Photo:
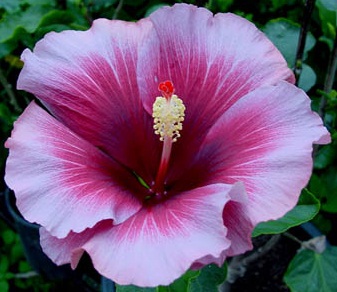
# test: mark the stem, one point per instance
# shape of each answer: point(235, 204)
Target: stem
point(26, 275)
point(262, 250)
point(237, 267)
point(317, 243)
point(163, 166)
point(309, 7)
point(9, 91)
point(330, 77)
point(329, 80)
point(292, 237)
point(118, 9)
point(62, 4)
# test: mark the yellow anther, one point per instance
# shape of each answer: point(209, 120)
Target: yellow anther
point(168, 115)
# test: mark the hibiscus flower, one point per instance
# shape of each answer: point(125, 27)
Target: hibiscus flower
point(152, 182)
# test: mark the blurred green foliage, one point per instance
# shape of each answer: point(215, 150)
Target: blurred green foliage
point(24, 22)
point(14, 269)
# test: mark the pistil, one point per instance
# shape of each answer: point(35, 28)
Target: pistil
point(163, 166)
point(168, 114)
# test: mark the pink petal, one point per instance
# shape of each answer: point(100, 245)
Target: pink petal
point(87, 79)
point(239, 229)
point(61, 181)
point(212, 61)
point(265, 141)
point(68, 250)
point(156, 245)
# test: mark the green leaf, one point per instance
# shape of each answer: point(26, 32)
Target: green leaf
point(307, 78)
point(206, 279)
point(24, 266)
point(4, 264)
point(306, 209)
point(28, 20)
point(4, 286)
point(10, 5)
point(328, 14)
point(322, 223)
point(327, 41)
point(328, 4)
point(9, 276)
point(325, 189)
point(325, 156)
point(132, 288)
point(58, 20)
point(180, 284)
point(16, 251)
point(277, 4)
point(6, 48)
point(56, 17)
point(311, 272)
point(100, 4)
point(39, 2)
point(284, 34)
point(59, 17)
point(53, 27)
point(8, 236)
point(211, 276)
point(219, 5)
point(7, 119)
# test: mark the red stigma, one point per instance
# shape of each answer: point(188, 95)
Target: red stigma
point(166, 88)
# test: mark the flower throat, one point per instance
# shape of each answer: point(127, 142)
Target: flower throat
point(168, 114)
